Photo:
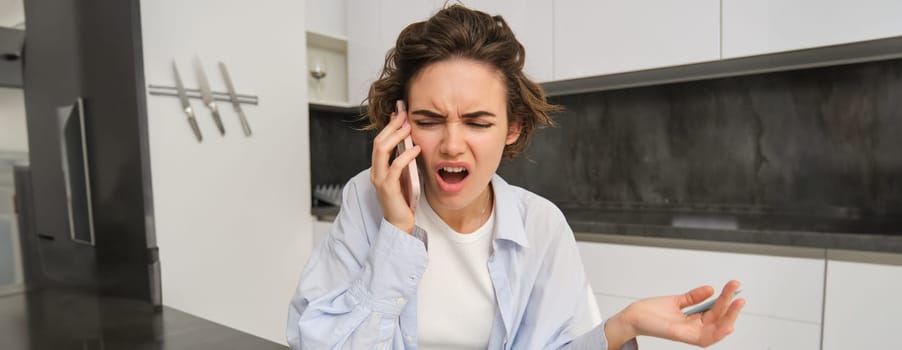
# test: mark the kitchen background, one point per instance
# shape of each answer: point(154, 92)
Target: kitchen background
point(711, 140)
point(797, 154)
point(701, 140)
point(809, 150)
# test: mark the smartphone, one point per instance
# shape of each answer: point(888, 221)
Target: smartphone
point(703, 306)
point(410, 177)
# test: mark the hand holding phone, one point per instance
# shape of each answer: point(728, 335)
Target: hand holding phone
point(703, 306)
point(410, 178)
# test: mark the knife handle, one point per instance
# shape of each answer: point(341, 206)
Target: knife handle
point(196, 129)
point(244, 125)
point(218, 120)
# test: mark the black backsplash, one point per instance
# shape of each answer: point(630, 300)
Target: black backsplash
point(823, 142)
point(338, 149)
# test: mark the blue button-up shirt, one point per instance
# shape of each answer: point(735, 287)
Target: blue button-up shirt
point(359, 288)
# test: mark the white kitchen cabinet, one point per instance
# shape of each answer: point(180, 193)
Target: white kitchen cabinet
point(329, 55)
point(754, 332)
point(327, 17)
point(784, 294)
point(785, 287)
point(594, 38)
point(12, 14)
point(862, 308)
point(754, 27)
point(531, 21)
point(327, 51)
point(373, 27)
point(365, 49)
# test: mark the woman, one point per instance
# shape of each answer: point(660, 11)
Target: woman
point(480, 264)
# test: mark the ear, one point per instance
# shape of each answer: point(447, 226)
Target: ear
point(513, 133)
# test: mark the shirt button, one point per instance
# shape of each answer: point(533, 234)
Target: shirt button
point(408, 339)
point(413, 277)
point(400, 301)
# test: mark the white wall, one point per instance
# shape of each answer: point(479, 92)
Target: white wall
point(232, 214)
point(327, 17)
point(13, 134)
point(12, 12)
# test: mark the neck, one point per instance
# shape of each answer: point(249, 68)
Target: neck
point(469, 218)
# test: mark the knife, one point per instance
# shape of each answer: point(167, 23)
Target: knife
point(235, 104)
point(207, 95)
point(186, 106)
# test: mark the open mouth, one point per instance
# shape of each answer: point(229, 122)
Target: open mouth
point(453, 175)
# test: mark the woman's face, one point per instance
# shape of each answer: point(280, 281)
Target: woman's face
point(458, 111)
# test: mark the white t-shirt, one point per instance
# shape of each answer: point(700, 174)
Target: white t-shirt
point(455, 298)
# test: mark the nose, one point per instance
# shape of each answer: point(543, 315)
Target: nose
point(453, 143)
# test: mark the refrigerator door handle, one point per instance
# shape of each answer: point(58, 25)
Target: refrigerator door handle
point(76, 174)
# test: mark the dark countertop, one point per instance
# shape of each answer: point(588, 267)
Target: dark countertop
point(794, 231)
point(325, 213)
point(76, 320)
point(783, 230)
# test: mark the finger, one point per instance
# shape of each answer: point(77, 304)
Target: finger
point(725, 324)
point(401, 162)
point(380, 139)
point(729, 318)
point(723, 301)
point(696, 296)
point(387, 141)
point(393, 124)
point(396, 120)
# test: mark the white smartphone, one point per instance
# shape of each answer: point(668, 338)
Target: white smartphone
point(703, 306)
point(410, 177)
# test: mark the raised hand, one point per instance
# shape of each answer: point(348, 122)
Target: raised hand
point(662, 317)
point(387, 177)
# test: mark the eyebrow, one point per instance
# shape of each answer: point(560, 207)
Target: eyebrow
point(471, 115)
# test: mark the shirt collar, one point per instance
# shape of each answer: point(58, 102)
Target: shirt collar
point(508, 213)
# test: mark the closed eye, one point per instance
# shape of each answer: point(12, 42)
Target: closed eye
point(479, 119)
point(425, 123)
point(427, 118)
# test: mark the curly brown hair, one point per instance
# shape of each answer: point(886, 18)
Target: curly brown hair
point(459, 32)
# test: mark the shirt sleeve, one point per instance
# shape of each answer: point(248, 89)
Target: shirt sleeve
point(357, 281)
point(595, 339)
point(558, 302)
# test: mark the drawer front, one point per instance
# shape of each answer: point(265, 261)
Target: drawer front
point(753, 332)
point(862, 306)
point(781, 287)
